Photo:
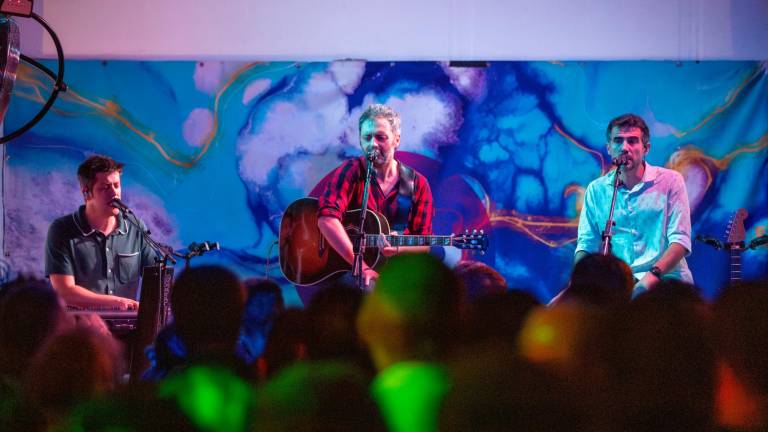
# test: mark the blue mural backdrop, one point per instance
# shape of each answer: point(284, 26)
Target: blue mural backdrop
point(216, 150)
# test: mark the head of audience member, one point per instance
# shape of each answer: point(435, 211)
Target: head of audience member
point(213, 396)
point(317, 396)
point(208, 303)
point(498, 318)
point(72, 367)
point(662, 368)
point(600, 280)
point(99, 178)
point(741, 332)
point(331, 333)
point(495, 390)
point(413, 313)
point(479, 279)
point(567, 339)
point(135, 408)
point(166, 354)
point(30, 312)
point(264, 302)
point(286, 344)
point(668, 292)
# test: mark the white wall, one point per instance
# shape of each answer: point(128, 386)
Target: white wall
point(402, 29)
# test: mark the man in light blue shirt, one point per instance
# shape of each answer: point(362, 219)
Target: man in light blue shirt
point(653, 221)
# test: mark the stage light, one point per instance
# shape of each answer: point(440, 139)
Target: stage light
point(22, 8)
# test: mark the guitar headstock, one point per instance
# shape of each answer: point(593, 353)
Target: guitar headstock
point(735, 231)
point(475, 240)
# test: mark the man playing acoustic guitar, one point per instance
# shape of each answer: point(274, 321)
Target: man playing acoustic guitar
point(397, 191)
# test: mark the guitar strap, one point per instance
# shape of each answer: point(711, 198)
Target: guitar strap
point(404, 197)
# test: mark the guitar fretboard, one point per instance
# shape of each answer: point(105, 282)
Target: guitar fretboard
point(408, 240)
point(735, 264)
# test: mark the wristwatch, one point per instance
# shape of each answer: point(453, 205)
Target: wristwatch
point(656, 272)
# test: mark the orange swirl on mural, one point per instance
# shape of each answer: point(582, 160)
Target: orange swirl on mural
point(553, 231)
point(598, 156)
point(29, 79)
point(732, 96)
point(691, 155)
point(543, 229)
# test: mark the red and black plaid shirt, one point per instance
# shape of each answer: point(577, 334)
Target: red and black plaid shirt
point(345, 192)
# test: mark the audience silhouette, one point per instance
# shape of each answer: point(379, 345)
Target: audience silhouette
point(430, 348)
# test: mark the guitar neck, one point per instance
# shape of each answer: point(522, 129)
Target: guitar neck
point(372, 240)
point(735, 264)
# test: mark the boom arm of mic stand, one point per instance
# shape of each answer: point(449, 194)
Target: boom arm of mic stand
point(758, 241)
point(195, 249)
point(163, 249)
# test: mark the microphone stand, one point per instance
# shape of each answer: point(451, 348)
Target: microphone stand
point(758, 241)
point(161, 248)
point(155, 299)
point(359, 244)
point(605, 245)
point(195, 249)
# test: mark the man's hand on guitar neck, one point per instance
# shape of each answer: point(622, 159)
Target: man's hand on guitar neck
point(387, 249)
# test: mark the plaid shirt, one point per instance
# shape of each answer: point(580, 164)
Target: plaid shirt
point(345, 192)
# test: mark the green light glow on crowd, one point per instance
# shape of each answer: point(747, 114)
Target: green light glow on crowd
point(214, 398)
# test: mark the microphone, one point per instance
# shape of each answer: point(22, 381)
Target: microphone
point(203, 247)
point(717, 244)
point(116, 203)
point(197, 249)
point(371, 154)
point(621, 159)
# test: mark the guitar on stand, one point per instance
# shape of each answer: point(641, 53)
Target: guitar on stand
point(307, 259)
point(734, 243)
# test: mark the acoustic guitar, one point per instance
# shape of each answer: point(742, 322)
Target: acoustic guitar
point(307, 259)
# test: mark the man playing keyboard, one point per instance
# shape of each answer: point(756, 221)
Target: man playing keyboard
point(94, 256)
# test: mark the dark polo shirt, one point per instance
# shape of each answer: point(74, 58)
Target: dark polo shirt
point(103, 264)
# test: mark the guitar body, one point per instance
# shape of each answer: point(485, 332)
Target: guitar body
point(306, 258)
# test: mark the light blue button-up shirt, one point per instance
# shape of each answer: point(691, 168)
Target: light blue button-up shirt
point(649, 217)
